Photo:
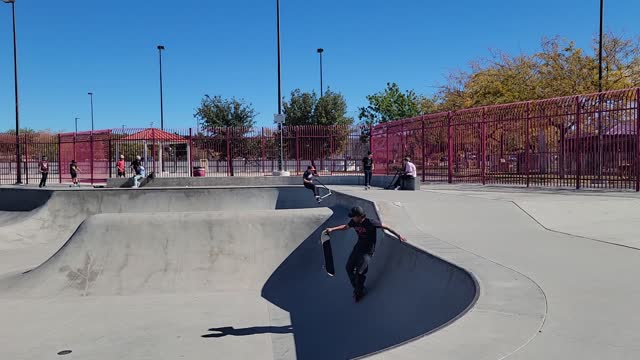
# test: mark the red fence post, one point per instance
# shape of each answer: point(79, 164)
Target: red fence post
point(578, 144)
point(262, 149)
point(59, 159)
point(387, 140)
point(424, 151)
point(402, 142)
point(154, 151)
point(190, 165)
point(26, 158)
point(331, 150)
point(637, 162)
point(371, 138)
point(484, 146)
point(450, 146)
point(92, 159)
point(527, 143)
point(228, 153)
point(297, 128)
point(110, 162)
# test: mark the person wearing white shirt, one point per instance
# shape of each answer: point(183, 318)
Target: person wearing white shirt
point(410, 173)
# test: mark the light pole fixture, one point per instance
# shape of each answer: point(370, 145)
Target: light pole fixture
point(15, 83)
point(320, 51)
point(160, 48)
point(91, 96)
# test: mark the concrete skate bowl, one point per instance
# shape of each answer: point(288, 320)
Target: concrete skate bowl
point(31, 217)
point(271, 254)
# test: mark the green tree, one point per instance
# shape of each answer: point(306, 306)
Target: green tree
point(23, 131)
point(226, 123)
point(216, 112)
point(331, 109)
point(558, 69)
point(305, 108)
point(300, 107)
point(390, 104)
point(329, 112)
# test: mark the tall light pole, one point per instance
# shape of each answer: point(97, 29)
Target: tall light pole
point(160, 48)
point(91, 96)
point(320, 51)
point(600, 47)
point(15, 82)
point(600, 155)
point(279, 119)
point(77, 125)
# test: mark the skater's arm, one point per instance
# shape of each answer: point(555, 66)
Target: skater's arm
point(396, 234)
point(337, 228)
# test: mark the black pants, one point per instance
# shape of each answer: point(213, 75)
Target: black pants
point(312, 187)
point(402, 179)
point(43, 179)
point(357, 268)
point(367, 177)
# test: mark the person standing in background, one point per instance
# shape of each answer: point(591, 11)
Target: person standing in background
point(367, 166)
point(43, 166)
point(121, 166)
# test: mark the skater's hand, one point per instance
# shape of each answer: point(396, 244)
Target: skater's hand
point(402, 238)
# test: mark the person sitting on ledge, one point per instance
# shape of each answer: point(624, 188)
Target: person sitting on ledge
point(409, 173)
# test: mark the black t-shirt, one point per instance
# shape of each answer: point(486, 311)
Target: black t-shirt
point(367, 163)
point(72, 169)
point(308, 175)
point(367, 234)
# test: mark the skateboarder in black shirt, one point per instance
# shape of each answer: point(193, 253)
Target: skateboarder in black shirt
point(358, 263)
point(367, 167)
point(307, 179)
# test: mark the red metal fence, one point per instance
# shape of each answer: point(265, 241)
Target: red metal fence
point(583, 141)
point(590, 141)
point(334, 150)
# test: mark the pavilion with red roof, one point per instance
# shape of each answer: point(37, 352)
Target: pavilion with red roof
point(155, 139)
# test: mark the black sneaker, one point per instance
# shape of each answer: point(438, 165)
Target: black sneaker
point(358, 295)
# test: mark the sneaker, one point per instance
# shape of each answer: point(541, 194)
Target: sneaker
point(397, 188)
point(358, 295)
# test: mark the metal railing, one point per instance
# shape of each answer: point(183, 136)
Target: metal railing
point(582, 141)
point(334, 150)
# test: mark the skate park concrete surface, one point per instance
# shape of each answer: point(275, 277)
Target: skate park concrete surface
point(236, 273)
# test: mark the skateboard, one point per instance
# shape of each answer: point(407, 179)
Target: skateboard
point(325, 240)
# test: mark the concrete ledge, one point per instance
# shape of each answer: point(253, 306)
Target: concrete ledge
point(381, 181)
point(413, 184)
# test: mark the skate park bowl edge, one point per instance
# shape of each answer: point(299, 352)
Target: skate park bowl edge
point(261, 244)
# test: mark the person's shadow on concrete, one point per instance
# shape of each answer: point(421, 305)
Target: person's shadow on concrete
point(230, 330)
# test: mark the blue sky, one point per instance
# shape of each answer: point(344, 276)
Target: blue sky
point(228, 48)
